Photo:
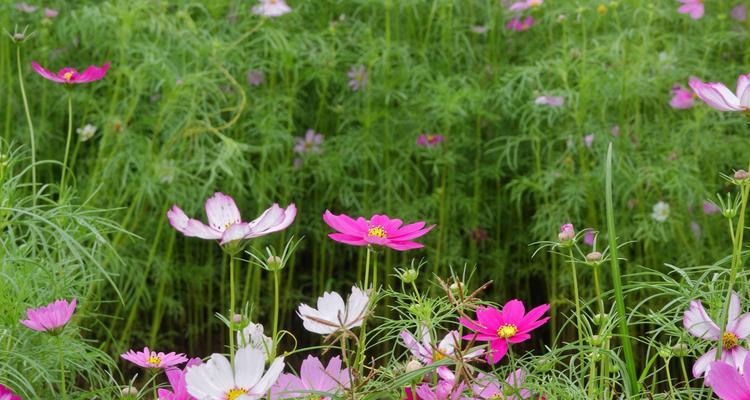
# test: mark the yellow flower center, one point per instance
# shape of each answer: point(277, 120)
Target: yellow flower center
point(535, 3)
point(235, 393)
point(729, 340)
point(437, 356)
point(153, 360)
point(497, 396)
point(377, 231)
point(430, 137)
point(601, 9)
point(507, 331)
point(68, 76)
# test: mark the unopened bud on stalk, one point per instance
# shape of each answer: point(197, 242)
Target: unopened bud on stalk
point(741, 175)
point(596, 341)
point(275, 263)
point(665, 353)
point(567, 234)
point(19, 37)
point(409, 276)
point(600, 319)
point(237, 318)
point(680, 349)
point(594, 257)
point(129, 392)
point(456, 288)
point(412, 366)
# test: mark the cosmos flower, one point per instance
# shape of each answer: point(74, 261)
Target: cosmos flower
point(252, 336)
point(589, 238)
point(489, 388)
point(718, 96)
point(176, 379)
point(524, 5)
point(310, 143)
point(660, 211)
point(443, 390)
point(739, 13)
point(86, 132)
point(313, 380)
point(710, 208)
point(245, 380)
point(518, 25)
point(50, 12)
point(271, 8)
point(588, 140)
point(430, 140)
point(7, 394)
point(333, 315)
point(50, 317)
point(255, 77)
point(426, 352)
point(379, 230)
point(70, 75)
point(699, 324)
point(567, 233)
point(692, 7)
point(727, 382)
point(358, 77)
point(552, 101)
point(479, 29)
point(225, 223)
point(501, 328)
point(25, 8)
point(152, 359)
point(682, 98)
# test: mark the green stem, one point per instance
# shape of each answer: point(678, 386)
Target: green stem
point(28, 120)
point(685, 377)
point(275, 312)
point(367, 270)
point(231, 307)
point(67, 145)
point(577, 298)
point(632, 384)
point(598, 290)
point(360, 359)
point(63, 391)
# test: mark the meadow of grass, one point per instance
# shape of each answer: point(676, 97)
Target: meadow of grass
point(566, 121)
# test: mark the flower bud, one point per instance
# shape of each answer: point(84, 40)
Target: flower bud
point(680, 349)
point(456, 288)
point(567, 233)
point(412, 366)
point(594, 257)
point(665, 353)
point(129, 393)
point(596, 341)
point(275, 263)
point(741, 175)
point(237, 318)
point(409, 276)
point(600, 319)
point(19, 37)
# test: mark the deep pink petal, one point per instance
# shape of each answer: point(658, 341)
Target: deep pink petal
point(513, 312)
point(347, 239)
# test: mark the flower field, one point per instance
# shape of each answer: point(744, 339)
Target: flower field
point(374, 199)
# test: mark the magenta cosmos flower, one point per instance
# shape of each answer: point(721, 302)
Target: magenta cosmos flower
point(152, 359)
point(225, 223)
point(314, 380)
point(682, 98)
point(727, 382)
point(700, 325)
point(310, 143)
point(271, 8)
point(719, 97)
point(692, 7)
point(501, 328)
point(7, 394)
point(70, 75)
point(176, 379)
point(430, 140)
point(518, 25)
point(489, 388)
point(379, 230)
point(50, 317)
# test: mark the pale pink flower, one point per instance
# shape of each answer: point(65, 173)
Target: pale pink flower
point(697, 321)
point(176, 379)
point(552, 101)
point(152, 359)
point(25, 8)
point(567, 232)
point(430, 140)
point(50, 317)
point(518, 25)
point(739, 13)
point(379, 230)
point(71, 76)
point(479, 29)
point(225, 223)
point(50, 12)
point(589, 237)
point(727, 382)
point(7, 394)
point(525, 4)
point(245, 380)
point(443, 390)
point(332, 314)
point(358, 77)
point(692, 7)
point(488, 387)
point(695, 227)
point(710, 208)
point(719, 97)
point(310, 143)
point(255, 77)
point(588, 140)
point(426, 352)
point(271, 8)
point(313, 380)
point(682, 98)
point(615, 131)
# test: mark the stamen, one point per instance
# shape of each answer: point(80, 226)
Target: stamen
point(377, 231)
point(235, 393)
point(507, 331)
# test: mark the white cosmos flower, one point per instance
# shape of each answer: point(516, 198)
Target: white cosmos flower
point(252, 336)
point(660, 212)
point(86, 132)
point(272, 8)
point(218, 380)
point(333, 314)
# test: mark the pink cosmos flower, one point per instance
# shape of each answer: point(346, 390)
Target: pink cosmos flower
point(313, 380)
point(333, 315)
point(255, 77)
point(589, 237)
point(489, 388)
point(525, 4)
point(727, 382)
point(588, 140)
point(379, 230)
point(25, 8)
point(430, 140)
point(501, 328)
point(271, 8)
point(50, 12)
point(552, 101)
point(152, 359)
point(692, 7)
point(719, 97)
point(225, 223)
point(310, 143)
point(50, 317)
point(427, 353)
point(7, 394)
point(69, 75)
point(176, 379)
point(710, 208)
point(682, 98)
point(567, 232)
point(358, 77)
point(444, 390)
point(700, 325)
point(739, 13)
point(516, 24)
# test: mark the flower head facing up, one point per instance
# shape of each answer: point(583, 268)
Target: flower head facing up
point(518, 25)
point(225, 223)
point(51, 317)
point(70, 76)
point(357, 77)
point(426, 352)
point(313, 379)
point(692, 7)
point(660, 211)
point(727, 382)
point(310, 143)
point(699, 324)
point(719, 97)
point(490, 388)
point(153, 360)
point(429, 140)
point(552, 101)
point(525, 5)
point(176, 379)
point(333, 315)
point(245, 380)
point(86, 132)
point(379, 230)
point(255, 77)
point(501, 328)
point(271, 8)
point(7, 394)
point(682, 98)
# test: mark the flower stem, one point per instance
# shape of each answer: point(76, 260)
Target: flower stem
point(367, 269)
point(598, 290)
point(360, 358)
point(231, 307)
point(28, 120)
point(63, 391)
point(67, 145)
point(575, 295)
point(275, 312)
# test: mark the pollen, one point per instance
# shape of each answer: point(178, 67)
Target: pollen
point(68, 76)
point(377, 231)
point(507, 331)
point(437, 356)
point(155, 361)
point(235, 393)
point(729, 340)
